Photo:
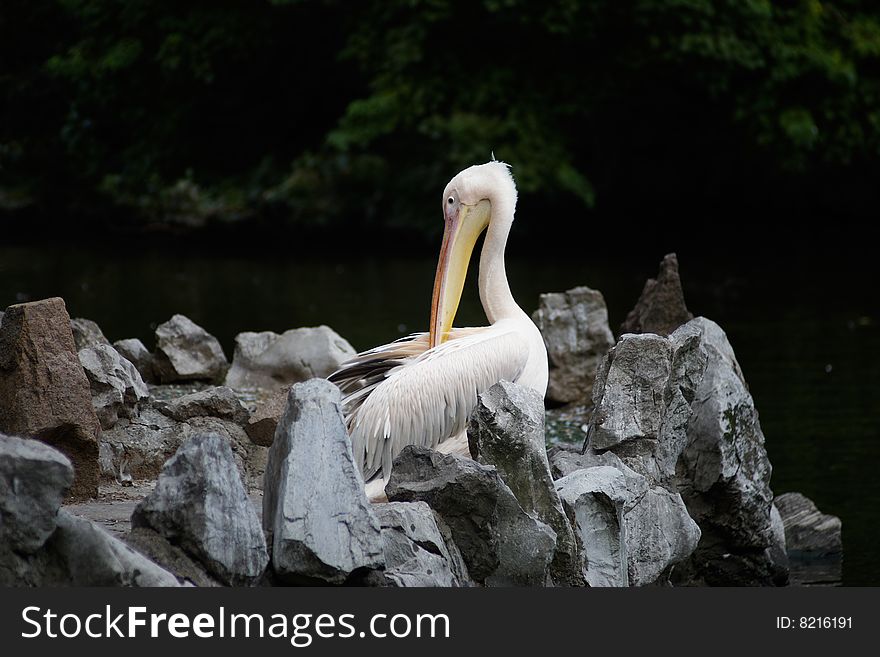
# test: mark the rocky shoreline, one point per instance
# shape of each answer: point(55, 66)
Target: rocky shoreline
point(128, 467)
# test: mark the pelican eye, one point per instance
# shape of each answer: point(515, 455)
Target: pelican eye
point(450, 200)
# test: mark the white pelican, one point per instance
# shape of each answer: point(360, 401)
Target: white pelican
point(421, 389)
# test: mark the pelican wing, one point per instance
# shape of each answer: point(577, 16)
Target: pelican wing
point(412, 395)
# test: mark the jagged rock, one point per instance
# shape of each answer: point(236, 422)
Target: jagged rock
point(117, 386)
point(44, 389)
point(808, 531)
point(724, 472)
point(187, 352)
point(271, 361)
point(160, 550)
point(416, 552)
point(34, 478)
point(575, 329)
point(137, 448)
point(79, 553)
point(134, 351)
point(264, 420)
point(506, 429)
point(594, 501)
point(642, 400)
point(661, 308)
point(219, 402)
point(316, 515)
point(86, 333)
point(501, 544)
point(200, 504)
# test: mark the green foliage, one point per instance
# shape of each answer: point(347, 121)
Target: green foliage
point(319, 111)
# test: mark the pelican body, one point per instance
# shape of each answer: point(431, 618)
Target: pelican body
point(421, 389)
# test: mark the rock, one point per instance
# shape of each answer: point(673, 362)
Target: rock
point(575, 329)
point(724, 472)
point(594, 500)
point(659, 531)
point(661, 308)
point(777, 552)
point(117, 386)
point(316, 515)
point(44, 390)
point(506, 429)
point(134, 351)
point(416, 552)
point(271, 361)
point(200, 504)
point(808, 531)
point(186, 352)
point(501, 544)
point(34, 479)
point(642, 400)
point(262, 424)
point(79, 553)
point(86, 333)
point(172, 558)
point(219, 402)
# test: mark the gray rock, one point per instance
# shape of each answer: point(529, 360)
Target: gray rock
point(134, 351)
point(117, 386)
point(186, 352)
point(594, 500)
point(264, 420)
point(661, 308)
point(416, 552)
point(160, 550)
point(506, 429)
point(200, 504)
point(137, 448)
point(659, 532)
point(34, 478)
point(315, 512)
point(271, 361)
point(501, 544)
point(777, 552)
point(79, 553)
point(575, 329)
point(724, 472)
point(219, 402)
point(86, 333)
point(808, 531)
point(44, 391)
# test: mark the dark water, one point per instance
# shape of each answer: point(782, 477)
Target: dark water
point(806, 331)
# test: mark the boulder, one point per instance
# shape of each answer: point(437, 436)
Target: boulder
point(318, 521)
point(34, 479)
point(79, 553)
point(86, 333)
point(44, 392)
point(642, 400)
point(661, 308)
point(158, 549)
point(416, 552)
point(271, 361)
point(594, 500)
point(506, 429)
point(219, 402)
point(117, 386)
point(200, 504)
point(575, 329)
point(137, 448)
point(501, 544)
point(134, 351)
point(264, 420)
point(187, 352)
point(724, 472)
point(808, 531)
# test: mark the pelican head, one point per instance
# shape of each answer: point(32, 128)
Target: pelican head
point(471, 203)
